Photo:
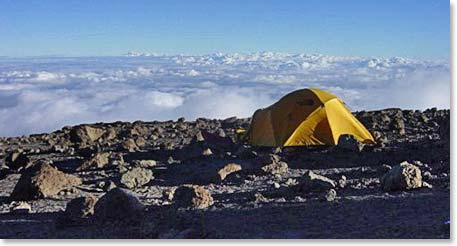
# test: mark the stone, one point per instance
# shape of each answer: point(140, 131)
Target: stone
point(129, 145)
point(271, 164)
point(136, 177)
point(227, 170)
point(330, 195)
point(146, 163)
point(207, 152)
point(118, 205)
point(342, 181)
point(348, 142)
point(192, 196)
point(140, 141)
point(20, 208)
point(43, 181)
point(404, 176)
point(98, 161)
point(80, 208)
point(311, 182)
point(84, 134)
point(426, 185)
point(17, 160)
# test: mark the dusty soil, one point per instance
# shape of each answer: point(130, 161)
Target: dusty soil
point(250, 203)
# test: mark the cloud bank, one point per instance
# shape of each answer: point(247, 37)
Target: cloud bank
point(42, 94)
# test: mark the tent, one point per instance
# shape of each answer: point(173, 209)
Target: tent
point(303, 118)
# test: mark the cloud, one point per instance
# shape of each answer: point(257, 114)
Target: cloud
point(53, 92)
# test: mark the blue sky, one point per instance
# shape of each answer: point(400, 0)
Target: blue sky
point(410, 28)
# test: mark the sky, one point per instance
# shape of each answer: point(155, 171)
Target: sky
point(407, 28)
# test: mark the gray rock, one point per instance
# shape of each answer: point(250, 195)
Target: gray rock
point(99, 160)
point(80, 208)
point(404, 176)
point(348, 142)
point(330, 195)
point(311, 182)
point(227, 170)
point(118, 205)
point(136, 177)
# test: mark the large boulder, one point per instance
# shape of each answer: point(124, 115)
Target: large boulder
point(136, 177)
point(85, 134)
point(311, 182)
point(118, 205)
point(192, 196)
point(97, 161)
point(348, 142)
point(42, 181)
point(404, 176)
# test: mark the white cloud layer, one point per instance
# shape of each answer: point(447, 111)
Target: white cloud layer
point(45, 94)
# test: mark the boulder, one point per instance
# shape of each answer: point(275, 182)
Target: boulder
point(129, 145)
point(99, 160)
point(192, 196)
point(311, 182)
point(136, 177)
point(84, 134)
point(80, 208)
point(42, 182)
point(118, 205)
point(404, 176)
point(228, 169)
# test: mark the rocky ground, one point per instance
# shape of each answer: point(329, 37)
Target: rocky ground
point(193, 179)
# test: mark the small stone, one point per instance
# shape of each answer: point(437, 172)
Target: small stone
point(129, 146)
point(426, 185)
point(80, 208)
point(330, 195)
point(146, 163)
point(227, 170)
point(207, 152)
point(276, 185)
point(99, 160)
point(342, 181)
point(20, 208)
point(311, 182)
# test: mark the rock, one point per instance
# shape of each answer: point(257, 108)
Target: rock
point(276, 185)
point(80, 208)
point(20, 208)
point(427, 175)
point(118, 205)
point(146, 163)
point(193, 196)
point(276, 168)
point(348, 142)
point(140, 141)
point(84, 134)
point(129, 146)
point(207, 152)
point(426, 185)
point(259, 198)
point(17, 160)
point(311, 182)
point(98, 161)
point(330, 195)
point(109, 185)
point(136, 177)
point(342, 181)
point(404, 176)
point(228, 169)
point(42, 182)
point(271, 164)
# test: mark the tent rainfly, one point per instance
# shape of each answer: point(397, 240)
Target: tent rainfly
point(305, 117)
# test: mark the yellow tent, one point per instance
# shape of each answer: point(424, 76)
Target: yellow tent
point(305, 117)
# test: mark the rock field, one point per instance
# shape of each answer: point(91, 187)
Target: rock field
point(195, 179)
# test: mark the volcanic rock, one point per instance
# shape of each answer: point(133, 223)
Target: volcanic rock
point(129, 146)
point(80, 208)
point(16, 160)
point(192, 196)
point(99, 160)
point(42, 182)
point(348, 142)
point(20, 208)
point(404, 176)
point(118, 205)
point(85, 134)
point(136, 177)
point(271, 164)
point(311, 182)
point(228, 169)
